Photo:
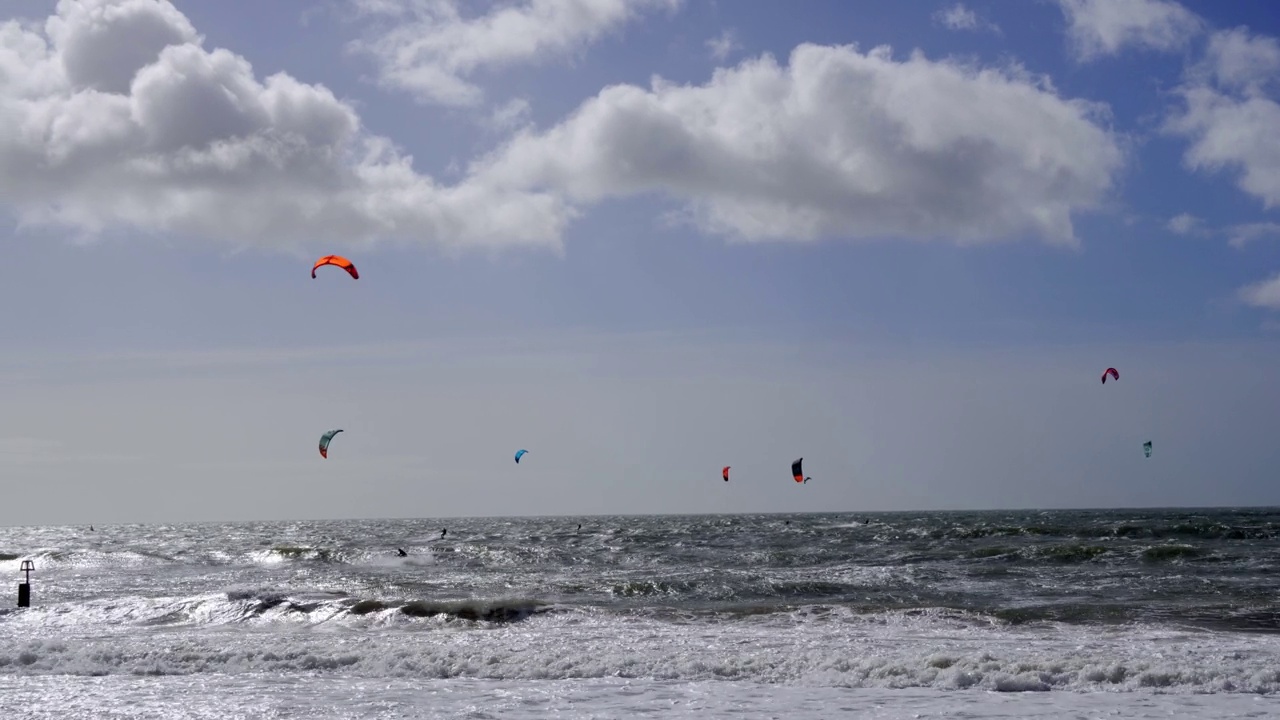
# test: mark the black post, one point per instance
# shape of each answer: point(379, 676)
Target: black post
point(24, 587)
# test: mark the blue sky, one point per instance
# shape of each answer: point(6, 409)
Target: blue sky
point(644, 240)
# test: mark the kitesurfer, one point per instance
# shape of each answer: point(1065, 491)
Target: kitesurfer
point(443, 533)
point(401, 552)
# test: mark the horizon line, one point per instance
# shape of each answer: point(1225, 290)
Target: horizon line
point(1141, 508)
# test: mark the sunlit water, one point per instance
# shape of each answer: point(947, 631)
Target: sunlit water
point(1118, 614)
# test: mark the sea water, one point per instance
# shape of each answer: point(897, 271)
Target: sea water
point(1028, 614)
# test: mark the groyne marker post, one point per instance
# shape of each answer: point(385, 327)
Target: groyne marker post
point(24, 587)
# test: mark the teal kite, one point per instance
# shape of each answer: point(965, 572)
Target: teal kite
point(324, 442)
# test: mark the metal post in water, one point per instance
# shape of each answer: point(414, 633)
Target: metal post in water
point(24, 587)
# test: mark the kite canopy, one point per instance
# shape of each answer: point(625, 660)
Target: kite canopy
point(338, 260)
point(797, 472)
point(519, 454)
point(1115, 375)
point(1146, 448)
point(324, 442)
point(725, 473)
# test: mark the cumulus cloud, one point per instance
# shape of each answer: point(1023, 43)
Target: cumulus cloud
point(1185, 224)
point(113, 113)
point(1246, 233)
point(1103, 27)
point(723, 45)
point(1237, 235)
point(512, 114)
point(429, 49)
point(1229, 116)
point(1238, 59)
point(837, 143)
point(1265, 294)
point(959, 17)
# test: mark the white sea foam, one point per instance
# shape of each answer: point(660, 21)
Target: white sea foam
point(325, 697)
point(257, 631)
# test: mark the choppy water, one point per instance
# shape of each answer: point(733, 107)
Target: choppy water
point(882, 615)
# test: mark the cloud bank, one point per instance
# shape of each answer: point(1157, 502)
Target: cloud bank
point(837, 142)
point(112, 113)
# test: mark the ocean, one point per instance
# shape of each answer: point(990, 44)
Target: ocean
point(1000, 614)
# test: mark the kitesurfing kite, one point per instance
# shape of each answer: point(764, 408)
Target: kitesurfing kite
point(519, 454)
point(797, 473)
point(1146, 448)
point(324, 442)
point(725, 473)
point(1115, 375)
point(337, 260)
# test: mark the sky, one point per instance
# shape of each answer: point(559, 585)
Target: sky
point(643, 239)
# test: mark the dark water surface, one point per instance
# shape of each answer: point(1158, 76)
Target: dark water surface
point(1205, 568)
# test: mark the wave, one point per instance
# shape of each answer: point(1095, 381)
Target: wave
point(47, 559)
point(787, 601)
point(1206, 530)
point(270, 605)
point(1169, 553)
point(951, 651)
point(258, 602)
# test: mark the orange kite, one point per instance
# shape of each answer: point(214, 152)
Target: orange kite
point(338, 260)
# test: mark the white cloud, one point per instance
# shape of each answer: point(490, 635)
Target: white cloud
point(1231, 123)
point(1185, 224)
point(1265, 294)
point(959, 17)
point(1240, 60)
point(723, 45)
point(1234, 124)
point(838, 142)
point(1238, 235)
point(430, 48)
point(113, 113)
point(510, 115)
point(1248, 232)
point(1104, 27)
